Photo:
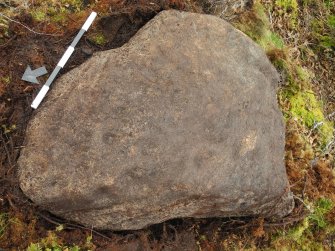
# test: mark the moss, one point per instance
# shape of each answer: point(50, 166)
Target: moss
point(323, 31)
point(59, 18)
point(322, 207)
point(288, 5)
point(306, 235)
point(6, 80)
point(331, 21)
point(98, 39)
point(305, 107)
point(53, 243)
point(289, 8)
point(56, 12)
point(303, 74)
point(327, 42)
point(8, 129)
point(38, 15)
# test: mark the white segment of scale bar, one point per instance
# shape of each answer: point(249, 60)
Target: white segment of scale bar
point(66, 56)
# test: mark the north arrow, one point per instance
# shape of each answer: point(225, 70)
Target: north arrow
point(31, 75)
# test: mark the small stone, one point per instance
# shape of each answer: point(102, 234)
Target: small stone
point(87, 51)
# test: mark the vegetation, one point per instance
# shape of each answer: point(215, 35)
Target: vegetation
point(98, 39)
point(302, 236)
point(309, 132)
point(52, 243)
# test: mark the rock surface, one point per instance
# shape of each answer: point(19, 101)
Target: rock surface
point(182, 121)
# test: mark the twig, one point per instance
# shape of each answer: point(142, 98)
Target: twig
point(303, 190)
point(307, 206)
point(328, 145)
point(74, 226)
point(286, 222)
point(89, 229)
point(11, 203)
point(25, 26)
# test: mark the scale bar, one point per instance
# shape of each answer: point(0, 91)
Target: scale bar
point(45, 88)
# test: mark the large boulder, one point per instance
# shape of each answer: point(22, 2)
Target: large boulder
point(182, 121)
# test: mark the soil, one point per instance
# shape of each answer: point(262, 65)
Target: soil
point(23, 48)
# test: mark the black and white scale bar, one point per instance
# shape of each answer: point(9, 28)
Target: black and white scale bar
point(62, 61)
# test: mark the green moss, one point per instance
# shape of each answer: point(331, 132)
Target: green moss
point(6, 79)
point(305, 107)
point(303, 74)
point(8, 129)
point(51, 243)
point(329, 3)
point(288, 5)
point(60, 18)
point(323, 31)
point(98, 39)
point(38, 15)
point(306, 235)
point(327, 42)
point(297, 232)
point(56, 12)
point(321, 208)
point(299, 237)
point(290, 8)
point(331, 21)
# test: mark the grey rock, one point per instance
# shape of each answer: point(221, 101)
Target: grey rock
point(182, 121)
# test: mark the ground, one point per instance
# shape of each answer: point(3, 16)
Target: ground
point(298, 37)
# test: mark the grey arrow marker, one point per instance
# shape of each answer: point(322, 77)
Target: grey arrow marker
point(31, 75)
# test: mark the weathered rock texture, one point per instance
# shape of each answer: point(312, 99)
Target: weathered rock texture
point(180, 122)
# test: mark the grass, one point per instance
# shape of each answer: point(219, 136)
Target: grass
point(256, 25)
point(3, 224)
